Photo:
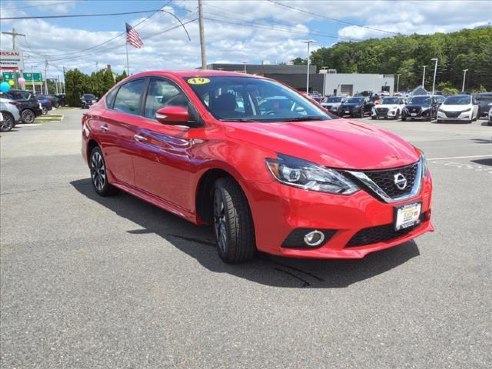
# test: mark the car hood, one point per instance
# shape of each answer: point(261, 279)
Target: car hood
point(408, 106)
point(389, 106)
point(336, 143)
point(455, 107)
point(351, 104)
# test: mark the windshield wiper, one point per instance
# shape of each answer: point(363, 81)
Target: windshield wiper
point(304, 119)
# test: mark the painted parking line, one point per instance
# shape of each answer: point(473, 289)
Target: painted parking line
point(461, 157)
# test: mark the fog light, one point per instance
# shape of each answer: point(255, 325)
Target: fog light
point(314, 238)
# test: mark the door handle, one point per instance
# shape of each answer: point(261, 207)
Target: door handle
point(104, 128)
point(139, 138)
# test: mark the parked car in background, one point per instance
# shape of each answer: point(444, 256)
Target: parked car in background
point(61, 99)
point(462, 108)
point(422, 107)
point(483, 100)
point(390, 107)
point(87, 100)
point(332, 104)
point(355, 107)
point(29, 106)
point(490, 115)
point(287, 180)
point(54, 101)
point(10, 114)
point(45, 103)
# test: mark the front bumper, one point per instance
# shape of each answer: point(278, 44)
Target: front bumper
point(463, 116)
point(278, 210)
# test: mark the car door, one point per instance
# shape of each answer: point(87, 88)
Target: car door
point(116, 129)
point(163, 158)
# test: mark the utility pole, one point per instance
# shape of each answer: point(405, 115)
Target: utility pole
point(202, 34)
point(308, 42)
point(45, 75)
point(14, 35)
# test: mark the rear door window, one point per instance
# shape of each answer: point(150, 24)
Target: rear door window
point(128, 98)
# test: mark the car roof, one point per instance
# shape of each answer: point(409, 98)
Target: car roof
point(194, 73)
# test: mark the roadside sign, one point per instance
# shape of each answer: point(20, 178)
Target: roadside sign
point(11, 59)
point(29, 77)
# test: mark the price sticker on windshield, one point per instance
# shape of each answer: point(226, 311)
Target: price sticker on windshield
point(198, 81)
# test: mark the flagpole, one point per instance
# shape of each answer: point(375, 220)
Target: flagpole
point(127, 62)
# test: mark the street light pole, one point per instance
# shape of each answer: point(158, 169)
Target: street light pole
point(464, 76)
point(423, 77)
point(397, 82)
point(308, 42)
point(435, 72)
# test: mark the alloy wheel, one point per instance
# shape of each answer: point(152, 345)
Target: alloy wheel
point(98, 171)
point(220, 225)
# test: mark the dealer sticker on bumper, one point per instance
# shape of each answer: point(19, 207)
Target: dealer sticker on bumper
point(407, 215)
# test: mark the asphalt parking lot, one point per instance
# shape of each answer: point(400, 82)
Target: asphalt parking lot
point(90, 282)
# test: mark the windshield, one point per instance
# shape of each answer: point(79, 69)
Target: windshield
point(457, 100)
point(355, 100)
point(334, 99)
point(421, 100)
point(89, 96)
point(390, 100)
point(246, 99)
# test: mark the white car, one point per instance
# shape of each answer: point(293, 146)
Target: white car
point(490, 115)
point(461, 108)
point(390, 107)
point(332, 103)
point(10, 114)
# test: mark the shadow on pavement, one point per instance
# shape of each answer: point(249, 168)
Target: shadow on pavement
point(199, 243)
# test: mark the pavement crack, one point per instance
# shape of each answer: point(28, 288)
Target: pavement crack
point(304, 282)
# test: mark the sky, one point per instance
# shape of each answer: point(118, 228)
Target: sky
point(239, 31)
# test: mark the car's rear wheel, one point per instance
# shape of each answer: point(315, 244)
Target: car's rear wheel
point(233, 223)
point(99, 175)
point(8, 122)
point(28, 116)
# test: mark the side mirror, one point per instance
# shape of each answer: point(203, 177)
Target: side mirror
point(176, 115)
point(172, 115)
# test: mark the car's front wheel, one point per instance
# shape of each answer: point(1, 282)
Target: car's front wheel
point(233, 223)
point(8, 122)
point(28, 116)
point(99, 176)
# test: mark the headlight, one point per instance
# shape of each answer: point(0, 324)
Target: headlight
point(309, 176)
point(425, 167)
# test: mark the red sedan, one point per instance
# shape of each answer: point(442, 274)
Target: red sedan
point(271, 170)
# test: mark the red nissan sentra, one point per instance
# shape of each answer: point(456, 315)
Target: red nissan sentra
point(271, 170)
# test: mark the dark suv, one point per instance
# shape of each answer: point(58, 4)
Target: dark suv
point(483, 99)
point(355, 107)
point(87, 100)
point(422, 107)
point(28, 105)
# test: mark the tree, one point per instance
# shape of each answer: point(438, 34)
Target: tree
point(299, 61)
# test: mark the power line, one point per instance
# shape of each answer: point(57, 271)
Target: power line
point(328, 18)
point(79, 15)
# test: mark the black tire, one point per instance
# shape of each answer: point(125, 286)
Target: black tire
point(397, 115)
point(45, 110)
point(361, 114)
point(99, 176)
point(374, 117)
point(233, 224)
point(28, 116)
point(403, 117)
point(8, 122)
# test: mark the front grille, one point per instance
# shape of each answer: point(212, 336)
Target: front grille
point(382, 110)
point(414, 110)
point(453, 114)
point(368, 236)
point(385, 179)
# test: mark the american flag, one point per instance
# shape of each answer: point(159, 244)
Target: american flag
point(132, 37)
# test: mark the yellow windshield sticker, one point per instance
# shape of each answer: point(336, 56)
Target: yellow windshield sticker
point(198, 81)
